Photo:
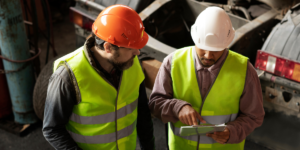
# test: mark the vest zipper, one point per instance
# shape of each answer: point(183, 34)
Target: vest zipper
point(202, 106)
point(203, 100)
point(116, 98)
point(116, 101)
point(116, 110)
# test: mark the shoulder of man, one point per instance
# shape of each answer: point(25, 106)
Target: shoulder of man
point(63, 74)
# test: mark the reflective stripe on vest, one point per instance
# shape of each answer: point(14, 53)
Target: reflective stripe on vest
point(107, 138)
point(109, 117)
point(106, 117)
point(221, 105)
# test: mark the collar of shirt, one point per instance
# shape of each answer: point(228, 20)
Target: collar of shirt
point(215, 68)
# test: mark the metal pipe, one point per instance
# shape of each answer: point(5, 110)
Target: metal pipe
point(278, 80)
point(159, 46)
point(152, 8)
point(252, 25)
point(92, 4)
point(242, 9)
point(28, 22)
point(14, 46)
point(35, 36)
point(185, 24)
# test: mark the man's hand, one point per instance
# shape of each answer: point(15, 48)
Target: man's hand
point(189, 116)
point(220, 137)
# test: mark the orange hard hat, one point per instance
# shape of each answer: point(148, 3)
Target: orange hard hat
point(121, 26)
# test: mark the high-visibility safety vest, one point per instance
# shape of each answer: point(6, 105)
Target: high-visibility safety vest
point(221, 105)
point(106, 117)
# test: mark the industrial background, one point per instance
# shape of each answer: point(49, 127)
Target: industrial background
point(33, 33)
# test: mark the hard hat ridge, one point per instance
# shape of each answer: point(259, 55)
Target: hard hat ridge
point(121, 26)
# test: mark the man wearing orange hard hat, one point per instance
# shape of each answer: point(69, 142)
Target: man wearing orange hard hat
point(96, 96)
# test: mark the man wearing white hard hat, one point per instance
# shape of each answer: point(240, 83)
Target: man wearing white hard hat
point(209, 83)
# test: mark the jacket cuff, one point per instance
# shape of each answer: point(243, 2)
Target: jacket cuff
point(179, 104)
point(232, 135)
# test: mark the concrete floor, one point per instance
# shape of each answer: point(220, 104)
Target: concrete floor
point(33, 140)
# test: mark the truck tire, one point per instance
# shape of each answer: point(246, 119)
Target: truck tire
point(40, 88)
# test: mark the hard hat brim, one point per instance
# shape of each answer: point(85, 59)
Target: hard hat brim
point(142, 42)
point(138, 45)
point(208, 48)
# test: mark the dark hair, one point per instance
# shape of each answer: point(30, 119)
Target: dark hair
point(101, 45)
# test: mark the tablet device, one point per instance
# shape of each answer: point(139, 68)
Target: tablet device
point(201, 129)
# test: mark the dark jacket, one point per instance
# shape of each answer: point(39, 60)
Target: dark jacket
point(61, 98)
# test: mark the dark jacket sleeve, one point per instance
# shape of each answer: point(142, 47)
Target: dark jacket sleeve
point(59, 103)
point(144, 121)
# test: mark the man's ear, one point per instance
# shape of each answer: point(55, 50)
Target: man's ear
point(107, 47)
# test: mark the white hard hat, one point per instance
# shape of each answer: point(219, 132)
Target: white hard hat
point(212, 30)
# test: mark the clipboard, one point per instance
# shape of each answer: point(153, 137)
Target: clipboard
point(201, 129)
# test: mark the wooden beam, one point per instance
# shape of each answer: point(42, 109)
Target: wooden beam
point(150, 68)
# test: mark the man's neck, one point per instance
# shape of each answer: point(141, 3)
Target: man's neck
point(102, 59)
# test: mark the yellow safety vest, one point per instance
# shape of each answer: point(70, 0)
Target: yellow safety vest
point(106, 117)
point(221, 104)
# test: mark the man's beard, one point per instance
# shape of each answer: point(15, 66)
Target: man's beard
point(211, 60)
point(121, 65)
